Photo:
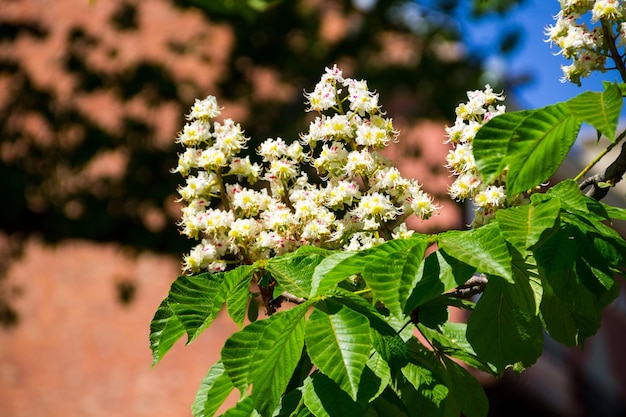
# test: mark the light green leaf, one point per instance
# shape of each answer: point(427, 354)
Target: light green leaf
point(334, 269)
point(523, 226)
point(276, 357)
point(324, 398)
point(238, 296)
point(389, 270)
point(214, 389)
point(438, 274)
point(238, 352)
point(196, 300)
point(532, 143)
point(600, 110)
point(504, 328)
point(339, 344)
point(467, 392)
point(484, 248)
point(293, 271)
point(165, 330)
point(568, 193)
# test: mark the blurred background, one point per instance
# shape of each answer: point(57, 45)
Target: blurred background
point(92, 94)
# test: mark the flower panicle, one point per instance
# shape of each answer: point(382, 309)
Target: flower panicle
point(242, 205)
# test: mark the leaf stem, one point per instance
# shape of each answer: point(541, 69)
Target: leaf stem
point(600, 156)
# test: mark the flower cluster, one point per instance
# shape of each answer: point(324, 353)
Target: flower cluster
point(587, 40)
point(481, 107)
point(241, 211)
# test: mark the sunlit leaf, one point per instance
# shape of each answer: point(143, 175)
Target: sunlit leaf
point(532, 143)
point(600, 110)
point(276, 357)
point(214, 389)
point(339, 344)
point(484, 248)
point(294, 270)
point(165, 330)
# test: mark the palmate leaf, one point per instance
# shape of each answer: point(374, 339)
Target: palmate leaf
point(334, 269)
point(600, 110)
point(165, 330)
point(214, 389)
point(504, 328)
point(484, 248)
point(532, 143)
point(338, 343)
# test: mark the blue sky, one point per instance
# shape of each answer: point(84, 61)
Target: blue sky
point(534, 55)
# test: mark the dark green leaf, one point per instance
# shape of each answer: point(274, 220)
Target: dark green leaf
point(339, 344)
point(433, 314)
point(325, 398)
point(165, 330)
point(387, 404)
point(484, 248)
point(214, 389)
point(504, 328)
point(467, 392)
point(600, 110)
point(425, 394)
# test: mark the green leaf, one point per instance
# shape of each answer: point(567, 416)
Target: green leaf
point(452, 341)
point(484, 248)
point(214, 389)
point(467, 392)
point(334, 269)
point(196, 300)
point(391, 268)
point(165, 330)
point(426, 393)
point(600, 110)
point(438, 274)
point(523, 226)
point(293, 271)
point(532, 143)
point(339, 344)
point(387, 404)
point(276, 357)
point(325, 398)
point(239, 350)
point(504, 328)
point(568, 193)
point(574, 300)
point(238, 296)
